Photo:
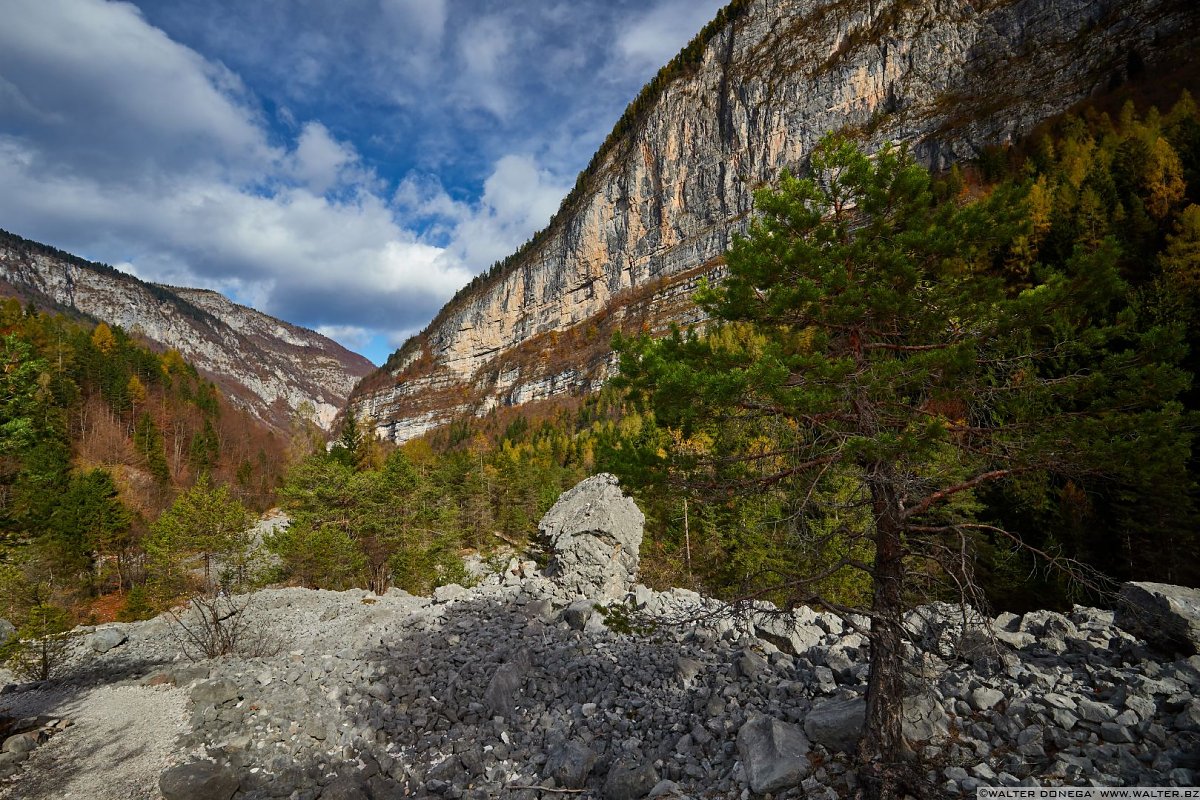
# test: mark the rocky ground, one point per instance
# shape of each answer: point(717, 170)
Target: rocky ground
point(520, 688)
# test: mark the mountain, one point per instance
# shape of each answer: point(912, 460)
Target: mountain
point(267, 366)
point(656, 207)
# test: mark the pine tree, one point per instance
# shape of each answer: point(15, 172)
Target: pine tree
point(866, 346)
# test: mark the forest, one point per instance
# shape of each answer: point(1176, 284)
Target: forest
point(128, 484)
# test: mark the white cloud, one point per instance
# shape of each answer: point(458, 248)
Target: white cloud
point(320, 162)
point(353, 336)
point(518, 199)
point(115, 139)
point(654, 37)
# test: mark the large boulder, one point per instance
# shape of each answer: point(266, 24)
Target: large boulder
point(106, 639)
point(595, 532)
point(773, 753)
point(1166, 616)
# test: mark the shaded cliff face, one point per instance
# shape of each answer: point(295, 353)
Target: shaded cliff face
point(663, 197)
point(265, 365)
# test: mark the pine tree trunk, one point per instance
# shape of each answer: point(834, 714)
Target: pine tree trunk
point(883, 739)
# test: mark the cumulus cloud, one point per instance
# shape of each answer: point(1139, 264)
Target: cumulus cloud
point(519, 197)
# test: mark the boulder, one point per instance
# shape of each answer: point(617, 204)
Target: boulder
point(595, 533)
point(1166, 616)
point(773, 753)
point(569, 764)
point(504, 691)
point(199, 780)
point(924, 718)
point(786, 631)
point(214, 692)
point(629, 779)
point(106, 639)
point(836, 724)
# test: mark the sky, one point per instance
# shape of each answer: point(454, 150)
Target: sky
point(345, 165)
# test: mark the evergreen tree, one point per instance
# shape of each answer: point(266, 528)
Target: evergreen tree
point(867, 346)
point(204, 522)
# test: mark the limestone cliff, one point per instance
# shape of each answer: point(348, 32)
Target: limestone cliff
point(754, 92)
point(267, 366)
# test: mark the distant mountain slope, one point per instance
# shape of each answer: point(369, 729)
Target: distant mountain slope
point(749, 97)
point(268, 366)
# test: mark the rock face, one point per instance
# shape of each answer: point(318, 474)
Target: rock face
point(1167, 617)
point(267, 366)
point(658, 205)
point(595, 532)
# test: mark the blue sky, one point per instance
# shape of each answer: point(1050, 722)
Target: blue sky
point(342, 164)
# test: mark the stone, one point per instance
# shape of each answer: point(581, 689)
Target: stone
point(106, 639)
point(836, 724)
point(629, 779)
point(1167, 617)
point(504, 690)
point(773, 753)
point(924, 718)
point(199, 780)
point(1189, 718)
point(449, 593)
point(985, 698)
point(214, 692)
point(579, 614)
point(569, 764)
point(786, 632)
point(595, 533)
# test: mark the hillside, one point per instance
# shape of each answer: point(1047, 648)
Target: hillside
point(656, 208)
point(269, 367)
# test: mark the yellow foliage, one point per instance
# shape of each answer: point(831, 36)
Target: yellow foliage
point(103, 339)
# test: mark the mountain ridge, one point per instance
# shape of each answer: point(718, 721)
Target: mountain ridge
point(268, 366)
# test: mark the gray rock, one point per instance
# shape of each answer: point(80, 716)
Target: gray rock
point(106, 639)
point(773, 753)
point(569, 764)
point(504, 690)
point(786, 632)
point(836, 724)
point(579, 614)
point(1166, 616)
point(595, 532)
point(1097, 712)
point(924, 718)
point(449, 593)
point(985, 698)
point(214, 692)
point(1189, 718)
point(199, 780)
point(629, 779)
